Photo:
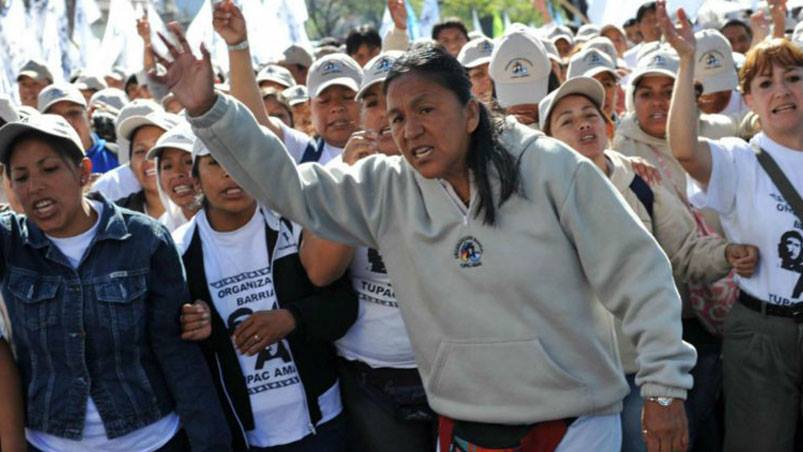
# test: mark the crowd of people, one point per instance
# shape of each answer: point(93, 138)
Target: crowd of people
point(561, 239)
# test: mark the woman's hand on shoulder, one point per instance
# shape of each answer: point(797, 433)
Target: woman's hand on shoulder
point(195, 321)
point(645, 170)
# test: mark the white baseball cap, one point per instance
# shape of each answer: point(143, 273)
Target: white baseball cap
point(561, 32)
point(36, 70)
point(8, 112)
point(520, 69)
point(156, 118)
point(551, 51)
point(333, 69)
point(277, 74)
point(57, 93)
point(605, 45)
point(46, 124)
point(587, 31)
point(376, 70)
point(714, 65)
point(296, 95)
point(476, 52)
point(662, 61)
point(577, 85)
point(590, 62)
point(179, 137)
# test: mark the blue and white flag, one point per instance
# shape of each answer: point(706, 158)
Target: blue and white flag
point(430, 15)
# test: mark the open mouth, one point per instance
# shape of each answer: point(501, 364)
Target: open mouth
point(658, 116)
point(784, 108)
point(182, 190)
point(150, 172)
point(44, 207)
point(233, 192)
point(589, 138)
point(340, 124)
point(385, 131)
point(422, 152)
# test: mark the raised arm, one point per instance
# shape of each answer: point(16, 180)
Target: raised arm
point(230, 24)
point(692, 152)
point(344, 205)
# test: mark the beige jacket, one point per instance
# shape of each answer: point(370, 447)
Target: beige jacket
point(693, 258)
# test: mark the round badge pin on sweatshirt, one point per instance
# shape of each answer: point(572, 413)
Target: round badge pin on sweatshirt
point(469, 252)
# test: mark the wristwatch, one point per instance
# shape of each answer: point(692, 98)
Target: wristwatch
point(663, 401)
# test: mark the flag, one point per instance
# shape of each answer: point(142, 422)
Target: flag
point(15, 49)
point(83, 46)
point(387, 23)
point(430, 15)
point(475, 21)
point(48, 22)
point(498, 26)
point(413, 27)
point(201, 30)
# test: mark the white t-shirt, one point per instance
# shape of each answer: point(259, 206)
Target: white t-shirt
point(117, 183)
point(753, 211)
point(296, 143)
point(240, 278)
point(93, 437)
point(378, 337)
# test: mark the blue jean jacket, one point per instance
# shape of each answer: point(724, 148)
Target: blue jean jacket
point(109, 330)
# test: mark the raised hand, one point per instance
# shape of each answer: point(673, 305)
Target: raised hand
point(144, 27)
point(681, 38)
point(398, 12)
point(759, 26)
point(190, 79)
point(362, 143)
point(229, 22)
point(778, 14)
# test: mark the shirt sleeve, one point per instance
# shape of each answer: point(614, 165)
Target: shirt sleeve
point(295, 141)
point(720, 194)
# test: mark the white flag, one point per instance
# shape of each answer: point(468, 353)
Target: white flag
point(202, 31)
point(430, 15)
point(83, 46)
point(15, 49)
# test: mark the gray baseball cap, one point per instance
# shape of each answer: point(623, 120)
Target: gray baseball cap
point(296, 95)
point(60, 92)
point(376, 70)
point(715, 66)
point(157, 118)
point(277, 74)
point(476, 52)
point(112, 99)
point(45, 124)
point(298, 54)
point(88, 81)
point(35, 69)
point(333, 69)
point(578, 85)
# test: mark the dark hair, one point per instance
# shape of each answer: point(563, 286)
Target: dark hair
point(630, 23)
point(485, 150)
point(644, 9)
point(131, 80)
point(449, 22)
point(59, 145)
point(364, 34)
point(738, 23)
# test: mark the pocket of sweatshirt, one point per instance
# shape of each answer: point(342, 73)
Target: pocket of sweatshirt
point(499, 372)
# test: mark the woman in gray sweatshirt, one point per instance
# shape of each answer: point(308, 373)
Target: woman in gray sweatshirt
point(492, 246)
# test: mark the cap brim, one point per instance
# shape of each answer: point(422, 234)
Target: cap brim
point(599, 70)
point(723, 82)
point(12, 130)
point(348, 82)
point(581, 85)
point(157, 151)
point(127, 127)
point(510, 94)
point(477, 62)
point(32, 74)
point(638, 75)
point(53, 102)
point(274, 80)
point(364, 89)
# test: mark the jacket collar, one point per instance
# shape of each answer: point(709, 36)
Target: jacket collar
point(629, 128)
point(111, 227)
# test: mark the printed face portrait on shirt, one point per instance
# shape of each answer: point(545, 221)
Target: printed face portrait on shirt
point(790, 249)
point(334, 114)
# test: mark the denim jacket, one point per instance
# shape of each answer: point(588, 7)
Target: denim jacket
point(108, 329)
